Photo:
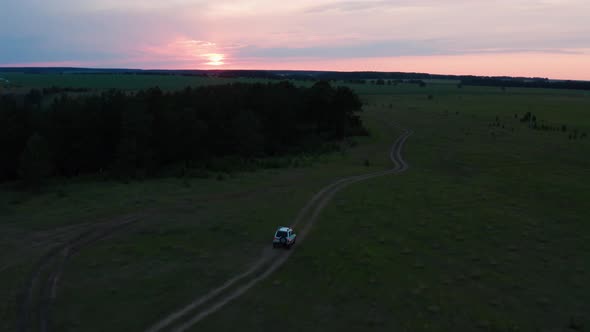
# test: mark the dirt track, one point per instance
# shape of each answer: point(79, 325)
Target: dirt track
point(270, 260)
point(40, 289)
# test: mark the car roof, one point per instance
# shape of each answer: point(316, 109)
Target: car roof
point(284, 229)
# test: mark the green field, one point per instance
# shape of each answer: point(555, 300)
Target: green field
point(488, 229)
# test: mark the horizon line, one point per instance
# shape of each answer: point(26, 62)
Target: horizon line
point(282, 70)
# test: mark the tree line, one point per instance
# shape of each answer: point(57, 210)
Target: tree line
point(526, 83)
point(124, 133)
point(352, 77)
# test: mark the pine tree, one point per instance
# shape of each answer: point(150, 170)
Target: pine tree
point(35, 161)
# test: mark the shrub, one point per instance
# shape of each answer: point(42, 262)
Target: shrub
point(526, 117)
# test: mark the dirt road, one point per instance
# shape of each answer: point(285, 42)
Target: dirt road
point(40, 289)
point(270, 260)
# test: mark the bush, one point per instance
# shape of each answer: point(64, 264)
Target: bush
point(61, 193)
point(199, 173)
point(526, 117)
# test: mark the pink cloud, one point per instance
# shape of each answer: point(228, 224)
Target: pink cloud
point(530, 64)
point(558, 66)
point(504, 37)
point(186, 51)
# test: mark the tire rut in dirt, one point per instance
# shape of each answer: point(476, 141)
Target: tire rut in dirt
point(40, 289)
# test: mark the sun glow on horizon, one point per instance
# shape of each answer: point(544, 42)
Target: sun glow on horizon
point(215, 59)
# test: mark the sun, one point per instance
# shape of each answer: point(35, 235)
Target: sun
point(215, 59)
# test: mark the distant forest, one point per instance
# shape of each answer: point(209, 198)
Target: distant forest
point(532, 83)
point(124, 133)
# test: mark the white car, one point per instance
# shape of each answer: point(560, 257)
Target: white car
point(284, 237)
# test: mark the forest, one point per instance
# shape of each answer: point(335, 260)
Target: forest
point(526, 83)
point(124, 133)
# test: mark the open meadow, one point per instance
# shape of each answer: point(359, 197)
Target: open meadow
point(487, 230)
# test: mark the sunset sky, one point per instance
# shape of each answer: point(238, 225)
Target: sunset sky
point(546, 38)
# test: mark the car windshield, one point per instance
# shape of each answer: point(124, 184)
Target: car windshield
point(281, 234)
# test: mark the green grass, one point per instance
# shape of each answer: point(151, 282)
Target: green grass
point(484, 231)
point(202, 231)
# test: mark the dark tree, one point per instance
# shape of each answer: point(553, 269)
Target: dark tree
point(15, 130)
point(246, 128)
point(132, 134)
point(34, 97)
point(35, 161)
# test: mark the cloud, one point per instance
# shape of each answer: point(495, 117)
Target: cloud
point(376, 49)
point(393, 48)
point(348, 6)
point(178, 32)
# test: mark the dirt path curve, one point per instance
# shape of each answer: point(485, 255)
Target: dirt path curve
point(270, 260)
point(40, 289)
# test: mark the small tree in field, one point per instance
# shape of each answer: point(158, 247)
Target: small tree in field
point(35, 161)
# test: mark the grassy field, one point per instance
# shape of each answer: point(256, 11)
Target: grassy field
point(484, 231)
point(488, 230)
point(222, 224)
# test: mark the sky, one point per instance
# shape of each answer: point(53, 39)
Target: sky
point(535, 38)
